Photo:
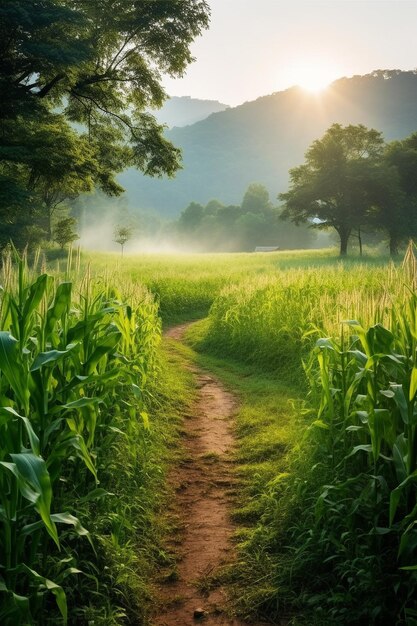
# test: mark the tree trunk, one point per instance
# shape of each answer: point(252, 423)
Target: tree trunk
point(360, 241)
point(393, 245)
point(344, 235)
point(49, 224)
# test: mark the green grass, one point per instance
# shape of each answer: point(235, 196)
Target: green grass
point(343, 502)
point(132, 554)
point(273, 320)
point(187, 285)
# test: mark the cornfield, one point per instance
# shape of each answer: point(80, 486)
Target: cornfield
point(74, 364)
point(78, 364)
point(346, 509)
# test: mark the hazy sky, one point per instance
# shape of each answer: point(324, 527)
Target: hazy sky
point(256, 47)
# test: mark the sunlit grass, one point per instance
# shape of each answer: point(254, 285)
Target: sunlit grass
point(187, 285)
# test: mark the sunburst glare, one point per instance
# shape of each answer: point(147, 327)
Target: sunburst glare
point(311, 76)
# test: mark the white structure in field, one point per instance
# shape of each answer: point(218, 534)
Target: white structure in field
point(266, 248)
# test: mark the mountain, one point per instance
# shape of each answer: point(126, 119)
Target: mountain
point(183, 111)
point(261, 140)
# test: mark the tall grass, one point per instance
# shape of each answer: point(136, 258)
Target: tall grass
point(271, 320)
point(75, 400)
point(187, 285)
point(345, 508)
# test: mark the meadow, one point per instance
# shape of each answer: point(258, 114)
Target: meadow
point(322, 355)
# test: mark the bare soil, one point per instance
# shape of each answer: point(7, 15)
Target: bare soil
point(203, 483)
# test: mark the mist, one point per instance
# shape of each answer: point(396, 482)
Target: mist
point(212, 228)
point(99, 235)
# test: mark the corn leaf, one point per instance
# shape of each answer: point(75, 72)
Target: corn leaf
point(57, 590)
point(9, 365)
point(35, 485)
point(48, 358)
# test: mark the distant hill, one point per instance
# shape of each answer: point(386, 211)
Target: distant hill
point(260, 140)
point(183, 111)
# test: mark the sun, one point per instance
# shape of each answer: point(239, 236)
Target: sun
point(312, 77)
point(315, 80)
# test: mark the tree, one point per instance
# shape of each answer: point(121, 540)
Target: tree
point(250, 230)
point(191, 217)
point(64, 232)
point(52, 163)
point(256, 199)
point(336, 186)
point(397, 208)
point(102, 58)
point(100, 64)
point(122, 234)
point(213, 207)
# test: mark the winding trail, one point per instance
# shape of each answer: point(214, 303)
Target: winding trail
point(203, 483)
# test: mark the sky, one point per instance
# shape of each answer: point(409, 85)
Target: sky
point(256, 47)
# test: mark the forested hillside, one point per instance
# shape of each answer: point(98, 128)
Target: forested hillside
point(261, 140)
point(183, 111)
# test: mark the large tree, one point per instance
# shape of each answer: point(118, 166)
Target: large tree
point(100, 64)
point(335, 186)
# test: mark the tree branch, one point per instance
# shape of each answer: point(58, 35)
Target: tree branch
point(47, 88)
point(121, 119)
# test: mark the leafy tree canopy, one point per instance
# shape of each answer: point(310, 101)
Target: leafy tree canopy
point(256, 199)
point(335, 187)
point(122, 234)
point(100, 65)
point(228, 228)
point(397, 207)
point(64, 232)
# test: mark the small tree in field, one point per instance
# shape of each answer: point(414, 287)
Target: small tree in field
point(122, 234)
point(64, 231)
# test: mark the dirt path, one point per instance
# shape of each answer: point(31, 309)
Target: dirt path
point(203, 483)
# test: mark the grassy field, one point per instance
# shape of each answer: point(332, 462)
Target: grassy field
point(326, 430)
point(186, 285)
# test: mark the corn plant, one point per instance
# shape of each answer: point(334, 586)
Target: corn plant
point(366, 429)
point(63, 362)
point(346, 509)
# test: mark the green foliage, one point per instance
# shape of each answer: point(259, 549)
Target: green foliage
point(318, 471)
point(334, 186)
point(64, 232)
point(359, 514)
point(256, 199)
point(341, 502)
point(122, 234)
point(255, 222)
point(267, 320)
point(398, 214)
point(74, 385)
point(100, 66)
point(348, 182)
